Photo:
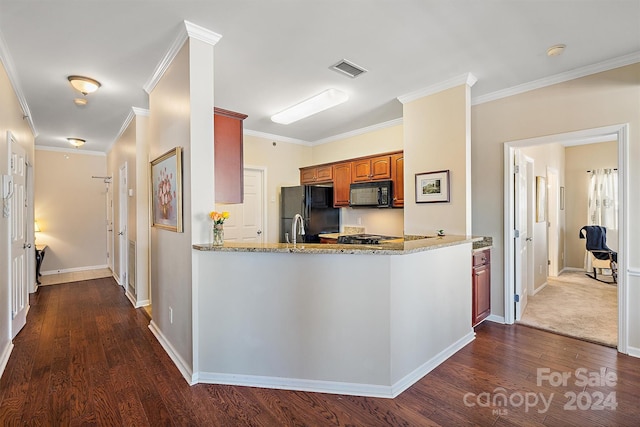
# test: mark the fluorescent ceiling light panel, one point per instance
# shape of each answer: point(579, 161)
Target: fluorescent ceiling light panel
point(322, 101)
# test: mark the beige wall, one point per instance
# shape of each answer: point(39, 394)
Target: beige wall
point(11, 119)
point(374, 142)
point(436, 138)
point(602, 99)
point(132, 148)
point(281, 162)
point(545, 156)
point(71, 209)
point(579, 160)
point(377, 221)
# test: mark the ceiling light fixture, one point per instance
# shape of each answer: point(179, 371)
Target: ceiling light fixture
point(556, 50)
point(81, 102)
point(84, 85)
point(76, 142)
point(320, 102)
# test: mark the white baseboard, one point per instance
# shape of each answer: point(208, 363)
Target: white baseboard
point(4, 358)
point(73, 270)
point(431, 364)
point(136, 304)
point(538, 289)
point(180, 363)
point(335, 387)
point(495, 318)
point(633, 351)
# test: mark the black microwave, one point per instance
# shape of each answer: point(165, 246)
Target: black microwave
point(370, 194)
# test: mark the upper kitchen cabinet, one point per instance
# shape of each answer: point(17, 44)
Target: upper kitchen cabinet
point(341, 184)
point(397, 176)
point(316, 174)
point(228, 163)
point(371, 169)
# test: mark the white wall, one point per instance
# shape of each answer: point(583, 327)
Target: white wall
point(71, 209)
point(602, 99)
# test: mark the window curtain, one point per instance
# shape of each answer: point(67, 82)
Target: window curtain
point(603, 206)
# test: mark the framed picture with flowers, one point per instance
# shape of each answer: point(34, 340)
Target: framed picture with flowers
point(166, 191)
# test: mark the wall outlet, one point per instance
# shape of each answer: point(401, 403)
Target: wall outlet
point(171, 315)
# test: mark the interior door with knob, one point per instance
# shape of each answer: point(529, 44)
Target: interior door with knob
point(15, 206)
point(246, 220)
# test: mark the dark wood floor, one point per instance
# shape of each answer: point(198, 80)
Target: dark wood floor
point(87, 357)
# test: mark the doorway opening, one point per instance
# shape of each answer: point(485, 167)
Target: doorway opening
point(512, 243)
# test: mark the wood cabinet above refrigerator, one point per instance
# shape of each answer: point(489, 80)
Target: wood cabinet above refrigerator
point(228, 160)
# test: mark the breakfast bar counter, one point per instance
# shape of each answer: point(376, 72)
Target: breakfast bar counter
point(329, 318)
point(410, 244)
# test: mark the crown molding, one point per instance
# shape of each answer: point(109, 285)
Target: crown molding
point(70, 150)
point(276, 137)
point(187, 30)
point(135, 111)
point(468, 79)
point(559, 78)
point(5, 58)
point(372, 128)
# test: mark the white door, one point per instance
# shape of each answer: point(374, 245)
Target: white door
point(15, 207)
point(122, 227)
point(246, 220)
point(521, 239)
point(110, 233)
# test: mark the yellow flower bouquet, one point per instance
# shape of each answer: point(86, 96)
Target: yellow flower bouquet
point(218, 217)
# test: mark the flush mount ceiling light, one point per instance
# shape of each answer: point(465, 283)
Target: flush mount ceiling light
point(320, 102)
point(84, 85)
point(76, 142)
point(556, 50)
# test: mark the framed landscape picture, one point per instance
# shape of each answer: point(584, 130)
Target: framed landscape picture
point(432, 187)
point(166, 191)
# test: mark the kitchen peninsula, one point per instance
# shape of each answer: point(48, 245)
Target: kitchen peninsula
point(351, 319)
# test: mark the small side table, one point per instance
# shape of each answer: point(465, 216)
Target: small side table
point(40, 251)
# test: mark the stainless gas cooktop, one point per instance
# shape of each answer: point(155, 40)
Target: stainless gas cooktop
point(364, 239)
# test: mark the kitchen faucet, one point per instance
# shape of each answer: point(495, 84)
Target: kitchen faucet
point(293, 227)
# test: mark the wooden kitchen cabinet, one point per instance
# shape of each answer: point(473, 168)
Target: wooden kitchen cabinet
point(341, 184)
point(481, 286)
point(397, 177)
point(371, 169)
point(316, 174)
point(228, 160)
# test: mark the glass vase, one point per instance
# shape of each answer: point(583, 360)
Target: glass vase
point(218, 235)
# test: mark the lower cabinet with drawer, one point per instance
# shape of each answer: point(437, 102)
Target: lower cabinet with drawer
point(481, 282)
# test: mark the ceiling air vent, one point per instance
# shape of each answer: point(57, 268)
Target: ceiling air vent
point(348, 68)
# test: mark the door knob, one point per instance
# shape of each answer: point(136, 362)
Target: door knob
point(529, 239)
point(26, 245)
point(259, 232)
point(121, 233)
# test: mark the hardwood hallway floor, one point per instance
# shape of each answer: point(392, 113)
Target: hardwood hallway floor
point(87, 357)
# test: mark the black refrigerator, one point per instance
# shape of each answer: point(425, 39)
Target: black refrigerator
point(315, 204)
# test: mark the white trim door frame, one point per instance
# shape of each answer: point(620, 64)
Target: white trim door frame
point(620, 133)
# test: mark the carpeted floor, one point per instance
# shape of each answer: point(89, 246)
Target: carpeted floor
point(577, 306)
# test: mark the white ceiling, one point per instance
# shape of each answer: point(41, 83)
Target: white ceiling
point(276, 53)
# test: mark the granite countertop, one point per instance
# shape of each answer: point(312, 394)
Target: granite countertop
point(410, 244)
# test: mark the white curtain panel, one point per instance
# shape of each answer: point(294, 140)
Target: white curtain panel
point(603, 206)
